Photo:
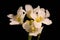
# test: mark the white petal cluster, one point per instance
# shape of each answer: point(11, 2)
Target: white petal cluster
point(19, 18)
point(37, 16)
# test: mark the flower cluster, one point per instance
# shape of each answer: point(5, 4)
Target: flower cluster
point(37, 16)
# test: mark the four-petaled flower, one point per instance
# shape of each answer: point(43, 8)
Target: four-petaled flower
point(30, 27)
point(19, 18)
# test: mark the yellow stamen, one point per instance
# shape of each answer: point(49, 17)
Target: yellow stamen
point(17, 18)
point(32, 29)
point(30, 22)
point(39, 19)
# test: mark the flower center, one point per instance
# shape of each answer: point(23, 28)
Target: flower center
point(32, 29)
point(39, 19)
point(30, 22)
point(18, 18)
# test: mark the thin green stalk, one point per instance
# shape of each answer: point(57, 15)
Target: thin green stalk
point(29, 37)
point(38, 37)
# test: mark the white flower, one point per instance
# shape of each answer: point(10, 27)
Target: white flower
point(29, 10)
point(17, 19)
point(30, 27)
point(40, 16)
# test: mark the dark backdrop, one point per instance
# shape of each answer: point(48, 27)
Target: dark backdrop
point(17, 32)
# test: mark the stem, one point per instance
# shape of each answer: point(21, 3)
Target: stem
point(29, 37)
point(38, 37)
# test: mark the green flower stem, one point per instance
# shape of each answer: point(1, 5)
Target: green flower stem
point(29, 37)
point(38, 37)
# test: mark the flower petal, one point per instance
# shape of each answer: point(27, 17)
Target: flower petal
point(47, 13)
point(47, 21)
point(11, 19)
point(21, 12)
point(37, 8)
point(14, 23)
point(37, 24)
point(40, 29)
point(28, 13)
point(32, 34)
point(26, 26)
point(28, 7)
point(41, 13)
point(33, 16)
point(10, 16)
point(42, 9)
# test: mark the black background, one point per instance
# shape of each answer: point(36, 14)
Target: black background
point(17, 32)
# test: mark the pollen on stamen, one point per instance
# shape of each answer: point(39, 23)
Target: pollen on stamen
point(39, 19)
